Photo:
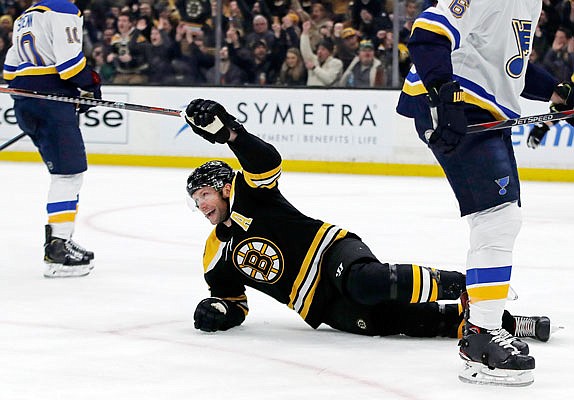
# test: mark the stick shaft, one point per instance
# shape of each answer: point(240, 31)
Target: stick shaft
point(509, 123)
point(12, 141)
point(92, 102)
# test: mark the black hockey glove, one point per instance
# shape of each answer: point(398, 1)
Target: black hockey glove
point(536, 135)
point(210, 314)
point(91, 91)
point(448, 100)
point(566, 92)
point(210, 120)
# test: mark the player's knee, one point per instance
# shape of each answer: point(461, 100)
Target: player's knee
point(343, 257)
point(65, 187)
point(495, 230)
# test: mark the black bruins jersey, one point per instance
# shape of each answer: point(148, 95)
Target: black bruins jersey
point(271, 246)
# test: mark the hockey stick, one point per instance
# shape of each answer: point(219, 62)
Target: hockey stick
point(509, 123)
point(12, 141)
point(91, 102)
point(487, 126)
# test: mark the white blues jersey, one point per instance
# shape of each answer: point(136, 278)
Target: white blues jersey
point(486, 37)
point(47, 42)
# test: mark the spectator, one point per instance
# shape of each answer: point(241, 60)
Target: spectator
point(542, 35)
point(230, 74)
point(130, 53)
point(365, 70)
point(322, 68)
point(369, 25)
point(374, 7)
point(340, 10)
point(4, 45)
point(161, 55)
point(260, 32)
point(559, 59)
point(259, 64)
point(347, 45)
point(192, 58)
point(98, 63)
point(285, 37)
point(293, 71)
point(6, 25)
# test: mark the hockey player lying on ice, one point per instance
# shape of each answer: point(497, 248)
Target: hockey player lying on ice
point(323, 272)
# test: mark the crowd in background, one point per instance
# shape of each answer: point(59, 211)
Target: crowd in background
point(343, 43)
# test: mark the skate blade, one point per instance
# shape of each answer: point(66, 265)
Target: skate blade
point(480, 374)
point(67, 271)
point(555, 328)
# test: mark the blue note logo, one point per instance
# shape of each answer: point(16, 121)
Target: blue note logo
point(523, 35)
point(503, 183)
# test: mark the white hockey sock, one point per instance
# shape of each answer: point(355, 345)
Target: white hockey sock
point(489, 262)
point(62, 204)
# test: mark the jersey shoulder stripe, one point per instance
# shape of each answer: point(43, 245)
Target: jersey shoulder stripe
point(438, 24)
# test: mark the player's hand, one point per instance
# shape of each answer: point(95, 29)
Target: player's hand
point(210, 120)
point(565, 91)
point(210, 314)
point(536, 135)
point(448, 100)
point(93, 91)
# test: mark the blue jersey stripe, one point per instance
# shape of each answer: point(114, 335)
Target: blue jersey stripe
point(70, 63)
point(465, 83)
point(476, 276)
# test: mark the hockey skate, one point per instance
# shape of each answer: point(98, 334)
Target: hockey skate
point(538, 328)
point(493, 357)
point(65, 258)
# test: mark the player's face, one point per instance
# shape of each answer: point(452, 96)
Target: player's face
point(212, 203)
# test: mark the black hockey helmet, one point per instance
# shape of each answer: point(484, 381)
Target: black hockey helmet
point(213, 173)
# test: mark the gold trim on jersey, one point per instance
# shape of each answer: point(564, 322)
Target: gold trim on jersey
point(263, 180)
point(471, 98)
point(307, 280)
point(73, 71)
point(240, 301)
point(213, 251)
point(415, 89)
point(432, 26)
point(29, 71)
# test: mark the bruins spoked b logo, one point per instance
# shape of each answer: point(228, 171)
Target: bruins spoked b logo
point(259, 259)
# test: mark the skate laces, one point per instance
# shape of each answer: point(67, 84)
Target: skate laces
point(525, 326)
point(504, 339)
point(76, 246)
point(74, 250)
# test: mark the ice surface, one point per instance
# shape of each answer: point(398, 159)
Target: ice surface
point(126, 331)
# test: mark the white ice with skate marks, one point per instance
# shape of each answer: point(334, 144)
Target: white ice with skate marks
point(126, 331)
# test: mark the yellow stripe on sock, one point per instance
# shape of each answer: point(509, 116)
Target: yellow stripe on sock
point(416, 283)
point(434, 290)
point(62, 217)
point(483, 293)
